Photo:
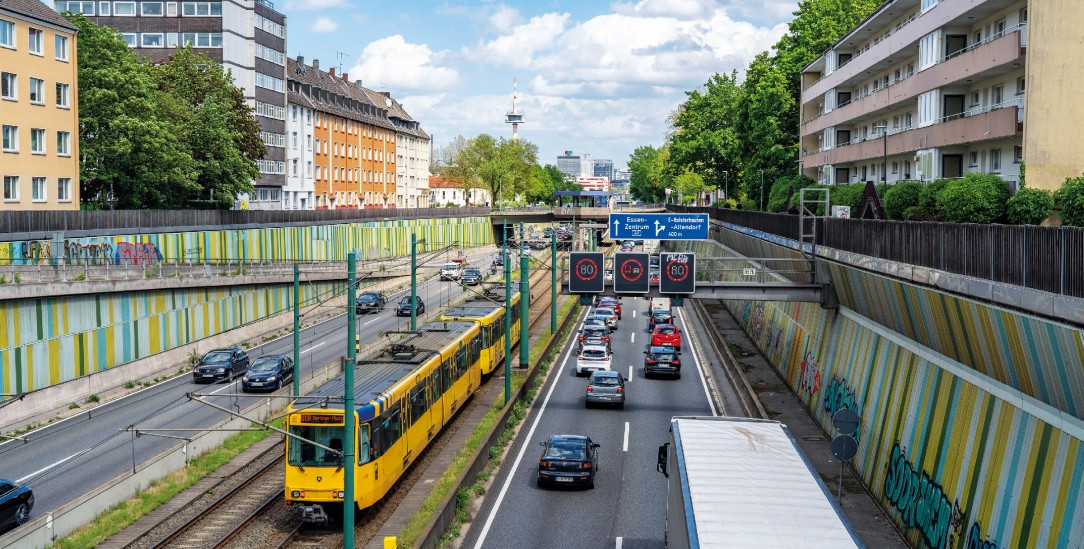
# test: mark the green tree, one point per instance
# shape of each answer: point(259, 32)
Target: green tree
point(690, 185)
point(646, 179)
point(704, 137)
point(1029, 206)
point(130, 148)
point(501, 166)
point(974, 198)
point(1070, 199)
point(215, 124)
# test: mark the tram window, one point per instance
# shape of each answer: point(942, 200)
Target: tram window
point(306, 454)
point(485, 337)
point(418, 404)
point(475, 349)
point(460, 362)
point(365, 452)
point(391, 427)
point(515, 312)
point(446, 371)
point(434, 382)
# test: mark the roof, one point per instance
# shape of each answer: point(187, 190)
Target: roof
point(35, 9)
point(767, 495)
point(585, 194)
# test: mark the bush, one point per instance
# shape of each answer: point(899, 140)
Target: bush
point(1029, 206)
point(976, 198)
point(848, 195)
point(931, 208)
point(749, 204)
point(901, 197)
point(777, 197)
point(1071, 200)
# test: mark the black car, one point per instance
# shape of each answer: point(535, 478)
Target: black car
point(594, 336)
point(472, 277)
point(16, 501)
point(403, 308)
point(660, 317)
point(369, 302)
point(220, 364)
point(547, 232)
point(662, 360)
point(568, 459)
point(268, 373)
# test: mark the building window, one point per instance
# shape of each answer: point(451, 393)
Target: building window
point(152, 40)
point(268, 54)
point(1023, 15)
point(269, 82)
point(60, 44)
point(293, 139)
point(37, 91)
point(974, 163)
point(999, 95)
point(63, 144)
point(7, 34)
point(270, 26)
point(9, 86)
point(201, 9)
point(154, 9)
point(37, 189)
point(11, 188)
point(895, 167)
point(37, 141)
point(1018, 154)
point(126, 9)
point(1020, 84)
point(129, 38)
point(64, 189)
point(11, 138)
point(271, 111)
point(995, 160)
point(172, 39)
point(294, 162)
point(35, 40)
point(308, 168)
point(203, 39)
point(999, 28)
point(75, 6)
point(103, 9)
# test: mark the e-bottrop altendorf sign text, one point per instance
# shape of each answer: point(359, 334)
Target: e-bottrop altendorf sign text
point(661, 226)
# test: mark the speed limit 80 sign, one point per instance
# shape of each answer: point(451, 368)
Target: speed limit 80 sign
point(585, 273)
point(677, 273)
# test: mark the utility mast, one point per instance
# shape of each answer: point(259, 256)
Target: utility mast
point(514, 117)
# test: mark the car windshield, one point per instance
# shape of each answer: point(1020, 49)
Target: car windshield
point(217, 356)
point(594, 320)
point(473, 272)
point(660, 351)
point(662, 316)
point(604, 312)
point(666, 330)
point(609, 302)
point(405, 301)
point(594, 333)
point(265, 365)
point(593, 354)
point(566, 449)
point(604, 381)
point(367, 296)
point(450, 266)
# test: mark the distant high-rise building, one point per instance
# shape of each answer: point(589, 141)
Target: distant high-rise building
point(570, 164)
point(604, 168)
point(622, 175)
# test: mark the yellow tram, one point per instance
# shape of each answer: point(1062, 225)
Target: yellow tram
point(406, 391)
point(490, 318)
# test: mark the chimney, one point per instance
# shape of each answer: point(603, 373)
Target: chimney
point(331, 71)
point(316, 64)
point(346, 78)
point(300, 60)
point(358, 84)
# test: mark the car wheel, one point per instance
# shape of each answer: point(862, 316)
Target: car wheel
point(621, 406)
point(587, 404)
point(22, 514)
point(278, 385)
point(591, 485)
point(541, 483)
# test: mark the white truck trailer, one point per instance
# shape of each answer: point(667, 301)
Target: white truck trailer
point(741, 482)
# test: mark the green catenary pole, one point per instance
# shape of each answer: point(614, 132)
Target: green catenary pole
point(524, 304)
point(413, 282)
point(553, 283)
point(348, 404)
point(507, 318)
point(297, 330)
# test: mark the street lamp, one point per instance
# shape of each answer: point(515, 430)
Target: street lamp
point(726, 182)
point(884, 162)
point(761, 190)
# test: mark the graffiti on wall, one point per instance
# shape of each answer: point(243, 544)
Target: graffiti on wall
point(923, 504)
point(837, 396)
point(809, 380)
point(31, 252)
point(770, 337)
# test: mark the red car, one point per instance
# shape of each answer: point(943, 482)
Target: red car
point(612, 303)
point(666, 335)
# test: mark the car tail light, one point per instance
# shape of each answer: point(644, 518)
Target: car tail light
point(590, 389)
point(620, 390)
point(586, 465)
point(605, 339)
point(543, 464)
point(650, 361)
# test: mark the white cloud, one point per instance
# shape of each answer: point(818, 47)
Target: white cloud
point(324, 25)
point(299, 5)
point(394, 63)
point(681, 9)
point(521, 42)
point(504, 18)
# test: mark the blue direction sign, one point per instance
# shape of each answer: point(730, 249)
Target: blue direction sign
point(664, 226)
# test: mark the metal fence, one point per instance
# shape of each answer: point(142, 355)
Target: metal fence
point(1050, 259)
point(144, 221)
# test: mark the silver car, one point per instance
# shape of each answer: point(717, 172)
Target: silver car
point(608, 315)
point(605, 387)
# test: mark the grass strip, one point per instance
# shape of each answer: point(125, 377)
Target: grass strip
point(464, 496)
point(121, 515)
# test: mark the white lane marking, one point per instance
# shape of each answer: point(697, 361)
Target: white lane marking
point(625, 445)
point(619, 543)
point(523, 449)
point(634, 313)
point(47, 467)
point(313, 347)
point(630, 374)
point(632, 336)
point(696, 360)
point(370, 322)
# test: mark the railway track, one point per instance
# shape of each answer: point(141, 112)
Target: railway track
point(226, 520)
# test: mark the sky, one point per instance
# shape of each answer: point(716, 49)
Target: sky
point(594, 77)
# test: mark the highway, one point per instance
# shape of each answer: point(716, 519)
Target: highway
point(627, 507)
point(66, 459)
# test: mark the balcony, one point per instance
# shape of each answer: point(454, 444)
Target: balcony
point(995, 122)
point(968, 64)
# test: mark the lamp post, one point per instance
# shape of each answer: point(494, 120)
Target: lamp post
point(761, 190)
point(726, 183)
point(884, 161)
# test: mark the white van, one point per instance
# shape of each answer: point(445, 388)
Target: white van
point(451, 271)
point(659, 303)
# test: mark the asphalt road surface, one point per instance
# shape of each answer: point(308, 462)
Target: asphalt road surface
point(65, 460)
point(627, 507)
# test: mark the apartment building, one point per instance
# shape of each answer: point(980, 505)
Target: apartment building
point(411, 156)
point(299, 192)
point(39, 108)
point(248, 37)
point(926, 89)
point(444, 191)
point(354, 139)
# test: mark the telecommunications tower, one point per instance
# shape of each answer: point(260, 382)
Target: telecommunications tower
point(514, 117)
